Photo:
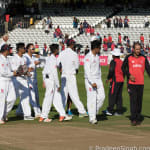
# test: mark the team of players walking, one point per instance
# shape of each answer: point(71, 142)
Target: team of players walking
point(14, 85)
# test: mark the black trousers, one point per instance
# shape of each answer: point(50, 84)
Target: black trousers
point(115, 97)
point(136, 96)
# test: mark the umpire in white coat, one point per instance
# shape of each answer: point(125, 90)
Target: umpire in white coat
point(93, 81)
point(69, 63)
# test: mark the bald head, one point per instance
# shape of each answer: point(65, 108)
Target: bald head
point(5, 37)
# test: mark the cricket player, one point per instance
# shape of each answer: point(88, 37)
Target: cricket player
point(21, 84)
point(68, 61)
point(133, 67)
point(93, 81)
point(32, 80)
point(51, 82)
point(7, 90)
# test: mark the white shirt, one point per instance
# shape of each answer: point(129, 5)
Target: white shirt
point(92, 69)
point(16, 61)
point(5, 68)
point(69, 61)
point(50, 69)
point(30, 63)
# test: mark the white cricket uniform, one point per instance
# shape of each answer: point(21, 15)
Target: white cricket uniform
point(32, 82)
point(95, 97)
point(70, 63)
point(7, 90)
point(21, 85)
point(50, 77)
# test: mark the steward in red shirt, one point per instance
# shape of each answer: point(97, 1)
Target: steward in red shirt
point(134, 66)
point(116, 78)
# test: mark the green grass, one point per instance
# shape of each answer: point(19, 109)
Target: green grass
point(120, 123)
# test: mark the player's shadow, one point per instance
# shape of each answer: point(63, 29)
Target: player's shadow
point(101, 117)
point(15, 118)
point(140, 119)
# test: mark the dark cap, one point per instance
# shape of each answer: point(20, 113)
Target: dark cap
point(70, 42)
point(5, 47)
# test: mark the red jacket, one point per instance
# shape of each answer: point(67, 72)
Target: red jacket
point(136, 67)
point(115, 71)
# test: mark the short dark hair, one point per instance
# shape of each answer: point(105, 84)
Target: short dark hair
point(28, 45)
point(95, 44)
point(136, 43)
point(70, 42)
point(54, 47)
point(4, 48)
point(20, 45)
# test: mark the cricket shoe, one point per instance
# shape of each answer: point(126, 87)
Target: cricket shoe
point(28, 118)
point(65, 118)
point(117, 114)
point(83, 115)
point(37, 116)
point(70, 113)
point(45, 120)
point(93, 121)
point(106, 112)
point(2, 122)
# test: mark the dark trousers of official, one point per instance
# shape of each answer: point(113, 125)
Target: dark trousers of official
point(136, 96)
point(115, 97)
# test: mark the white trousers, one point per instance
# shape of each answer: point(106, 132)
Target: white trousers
point(32, 94)
point(95, 98)
point(52, 96)
point(69, 86)
point(7, 97)
point(22, 91)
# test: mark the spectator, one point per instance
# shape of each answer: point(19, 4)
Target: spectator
point(36, 48)
point(4, 40)
point(120, 22)
point(81, 29)
point(146, 21)
point(99, 37)
point(105, 41)
point(112, 46)
point(119, 39)
point(47, 29)
point(126, 22)
point(49, 22)
point(128, 40)
point(45, 50)
point(75, 22)
point(92, 30)
point(85, 25)
point(88, 30)
point(105, 48)
point(142, 39)
point(128, 49)
point(109, 41)
point(61, 45)
point(108, 22)
point(44, 23)
point(116, 22)
point(66, 38)
point(59, 32)
point(121, 49)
